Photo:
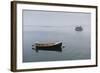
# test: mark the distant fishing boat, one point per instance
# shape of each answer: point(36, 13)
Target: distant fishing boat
point(79, 28)
point(57, 46)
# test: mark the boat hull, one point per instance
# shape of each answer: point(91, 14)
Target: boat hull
point(49, 49)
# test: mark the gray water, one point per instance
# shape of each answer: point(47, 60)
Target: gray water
point(77, 46)
point(76, 43)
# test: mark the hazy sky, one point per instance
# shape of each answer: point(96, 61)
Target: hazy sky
point(55, 19)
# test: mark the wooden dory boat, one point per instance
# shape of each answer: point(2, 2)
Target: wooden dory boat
point(48, 46)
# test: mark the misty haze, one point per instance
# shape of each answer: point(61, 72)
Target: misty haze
point(56, 26)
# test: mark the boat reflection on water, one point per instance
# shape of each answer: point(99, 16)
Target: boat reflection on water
point(48, 49)
point(48, 46)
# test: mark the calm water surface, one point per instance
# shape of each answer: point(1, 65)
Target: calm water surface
point(77, 45)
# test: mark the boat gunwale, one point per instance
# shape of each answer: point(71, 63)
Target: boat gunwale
point(47, 44)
